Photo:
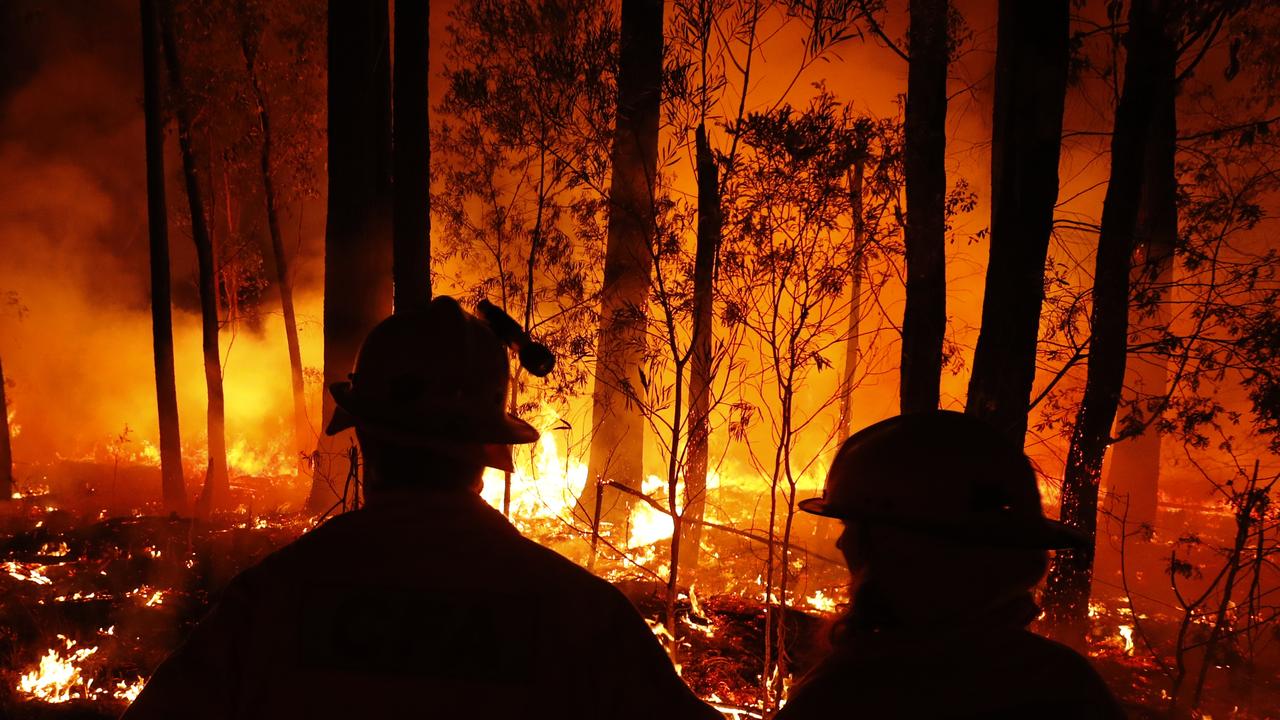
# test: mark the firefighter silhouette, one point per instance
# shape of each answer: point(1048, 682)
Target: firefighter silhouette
point(944, 538)
point(425, 603)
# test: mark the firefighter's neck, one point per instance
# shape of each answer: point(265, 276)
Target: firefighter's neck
point(453, 482)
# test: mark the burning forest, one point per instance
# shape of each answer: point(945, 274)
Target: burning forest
point(713, 240)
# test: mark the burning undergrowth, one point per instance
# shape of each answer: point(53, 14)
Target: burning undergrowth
point(90, 605)
point(91, 601)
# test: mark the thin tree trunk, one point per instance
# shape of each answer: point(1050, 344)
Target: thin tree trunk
point(357, 255)
point(217, 487)
point(172, 485)
point(302, 435)
point(924, 321)
point(617, 421)
point(1030, 86)
point(1134, 468)
point(411, 242)
point(853, 347)
point(6, 447)
point(1071, 575)
point(700, 361)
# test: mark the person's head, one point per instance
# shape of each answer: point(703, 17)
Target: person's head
point(427, 400)
point(939, 508)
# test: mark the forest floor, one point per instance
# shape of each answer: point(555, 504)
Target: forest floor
point(90, 603)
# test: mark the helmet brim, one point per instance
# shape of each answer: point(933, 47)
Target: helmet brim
point(483, 439)
point(986, 529)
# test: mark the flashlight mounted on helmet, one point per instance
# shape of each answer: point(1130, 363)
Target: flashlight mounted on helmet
point(534, 356)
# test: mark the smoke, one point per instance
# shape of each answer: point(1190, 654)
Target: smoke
point(76, 341)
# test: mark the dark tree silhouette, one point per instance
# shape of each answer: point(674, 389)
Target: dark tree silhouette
point(710, 229)
point(617, 444)
point(1151, 375)
point(250, 34)
point(217, 486)
point(853, 346)
point(357, 256)
point(924, 321)
point(6, 448)
point(1071, 575)
point(1026, 137)
point(874, 185)
point(1133, 469)
point(172, 485)
point(411, 234)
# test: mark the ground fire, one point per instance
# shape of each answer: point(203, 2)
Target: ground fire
point(718, 243)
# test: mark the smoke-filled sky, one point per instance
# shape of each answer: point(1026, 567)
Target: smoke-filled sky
point(73, 238)
point(73, 242)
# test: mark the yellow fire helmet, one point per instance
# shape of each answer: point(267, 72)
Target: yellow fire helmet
point(941, 473)
point(436, 378)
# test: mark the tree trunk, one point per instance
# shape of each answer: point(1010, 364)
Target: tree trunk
point(1071, 575)
point(357, 253)
point(924, 321)
point(1030, 85)
point(853, 347)
point(411, 241)
point(6, 448)
point(302, 433)
point(217, 487)
point(1133, 472)
point(172, 485)
point(700, 360)
point(617, 421)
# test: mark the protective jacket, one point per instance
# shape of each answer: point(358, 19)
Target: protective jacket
point(421, 605)
point(986, 668)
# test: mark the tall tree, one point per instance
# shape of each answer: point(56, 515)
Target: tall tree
point(251, 28)
point(874, 186)
point(357, 254)
point(710, 229)
point(172, 485)
point(6, 448)
point(1133, 470)
point(853, 346)
point(411, 235)
point(1071, 575)
point(924, 321)
point(217, 487)
point(1032, 51)
point(617, 444)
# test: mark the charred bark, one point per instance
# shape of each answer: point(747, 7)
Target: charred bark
point(710, 226)
point(411, 235)
point(173, 488)
point(1071, 575)
point(617, 421)
point(924, 321)
point(6, 447)
point(1026, 138)
point(357, 253)
point(217, 487)
point(1133, 472)
point(302, 434)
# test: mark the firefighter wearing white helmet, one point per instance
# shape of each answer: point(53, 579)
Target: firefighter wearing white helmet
point(945, 539)
point(425, 602)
